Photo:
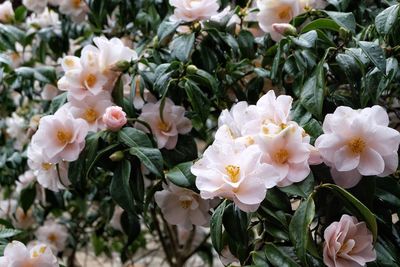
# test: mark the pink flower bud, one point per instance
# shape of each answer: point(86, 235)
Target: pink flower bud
point(114, 118)
point(285, 29)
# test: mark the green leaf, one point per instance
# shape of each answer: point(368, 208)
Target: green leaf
point(27, 197)
point(120, 189)
point(150, 157)
point(181, 175)
point(7, 233)
point(182, 46)
point(306, 40)
point(345, 20)
point(91, 163)
point(302, 189)
point(184, 151)
point(57, 102)
point(166, 30)
point(132, 137)
point(278, 257)
point(299, 228)
point(235, 223)
point(216, 227)
point(312, 94)
point(375, 53)
point(198, 100)
point(20, 13)
point(385, 20)
point(355, 206)
point(322, 24)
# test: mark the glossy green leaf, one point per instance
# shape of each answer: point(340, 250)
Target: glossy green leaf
point(278, 257)
point(216, 227)
point(181, 175)
point(150, 157)
point(120, 188)
point(385, 20)
point(132, 137)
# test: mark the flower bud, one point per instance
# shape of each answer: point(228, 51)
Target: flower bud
point(114, 118)
point(191, 69)
point(285, 29)
point(121, 66)
point(117, 156)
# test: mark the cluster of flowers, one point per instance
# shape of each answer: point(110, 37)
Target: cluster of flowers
point(76, 9)
point(272, 16)
point(89, 81)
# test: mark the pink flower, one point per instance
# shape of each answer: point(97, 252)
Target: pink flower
point(114, 118)
point(60, 137)
point(53, 234)
point(17, 255)
point(358, 142)
point(191, 10)
point(235, 172)
point(182, 207)
point(288, 152)
point(348, 243)
point(166, 129)
point(274, 109)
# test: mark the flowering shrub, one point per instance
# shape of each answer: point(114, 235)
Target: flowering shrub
point(262, 133)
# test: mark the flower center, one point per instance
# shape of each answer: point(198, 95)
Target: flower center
point(281, 156)
point(285, 13)
point(69, 62)
point(37, 253)
point(233, 173)
point(185, 204)
point(52, 238)
point(356, 145)
point(28, 263)
point(90, 115)
point(46, 166)
point(90, 80)
point(163, 126)
point(64, 137)
point(76, 3)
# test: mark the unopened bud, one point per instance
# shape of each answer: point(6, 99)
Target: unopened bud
point(285, 29)
point(121, 66)
point(191, 69)
point(117, 156)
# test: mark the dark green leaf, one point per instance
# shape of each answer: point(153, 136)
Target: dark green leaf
point(120, 189)
point(278, 257)
point(150, 157)
point(216, 227)
point(181, 175)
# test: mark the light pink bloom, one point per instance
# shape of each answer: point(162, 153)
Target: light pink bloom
point(166, 129)
point(6, 12)
point(287, 153)
point(91, 109)
point(182, 207)
point(49, 92)
point(273, 11)
point(358, 142)
point(114, 118)
point(75, 9)
point(348, 243)
point(235, 172)
point(274, 109)
point(191, 10)
point(60, 137)
point(284, 29)
point(22, 219)
point(53, 234)
point(17, 255)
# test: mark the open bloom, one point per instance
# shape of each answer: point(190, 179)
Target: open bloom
point(287, 153)
point(48, 18)
point(358, 142)
point(272, 11)
point(191, 10)
point(114, 118)
point(6, 12)
point(167, 128)
point(183, 207)
point(76, 9)
point(235, 172)
point(53, 234)
point(348, 243)
point(17, 255)
point(60, 137)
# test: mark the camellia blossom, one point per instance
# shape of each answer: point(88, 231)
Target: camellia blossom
point(76, 9)
point(235, 172)
point(348, 243)
point(182, 207)
point(60, 137)
point(48, 18)
point(6, 12)
point(53, 234)
point(358, 142)
point(166, 129)
point(35, 5)
point(192, 10)
point(114, 118)
point(16, 254)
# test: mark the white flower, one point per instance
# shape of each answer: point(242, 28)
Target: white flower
point(17, 255)
point(274, 109)
point(48, 18)
point(24, 180)
point(49, 175)
point(191, 10)
point(235, 172)
point(358, 142)
point(22, 219)
point(276, 11)
point(36, 6)
point(182, 207)
point(91, 109)
point(7, 208)
point(77, 9)
point(165, 129)
point(6, 12)
point(53, 234)
point(16, 128)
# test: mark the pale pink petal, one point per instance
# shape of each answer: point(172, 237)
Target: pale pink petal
point(344, 160)
point(371, 163)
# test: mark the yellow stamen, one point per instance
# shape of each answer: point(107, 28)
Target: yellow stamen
point(281, 156)
point(76, 3)
point(233, 172)
point(46, 166)
point(285, 13)
point(69, 62)
point(356, 145)
point(90, 115)
point(90, 80)
point(163, 126)
point(64, 137)
point(185, 204)
point(52, 238)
